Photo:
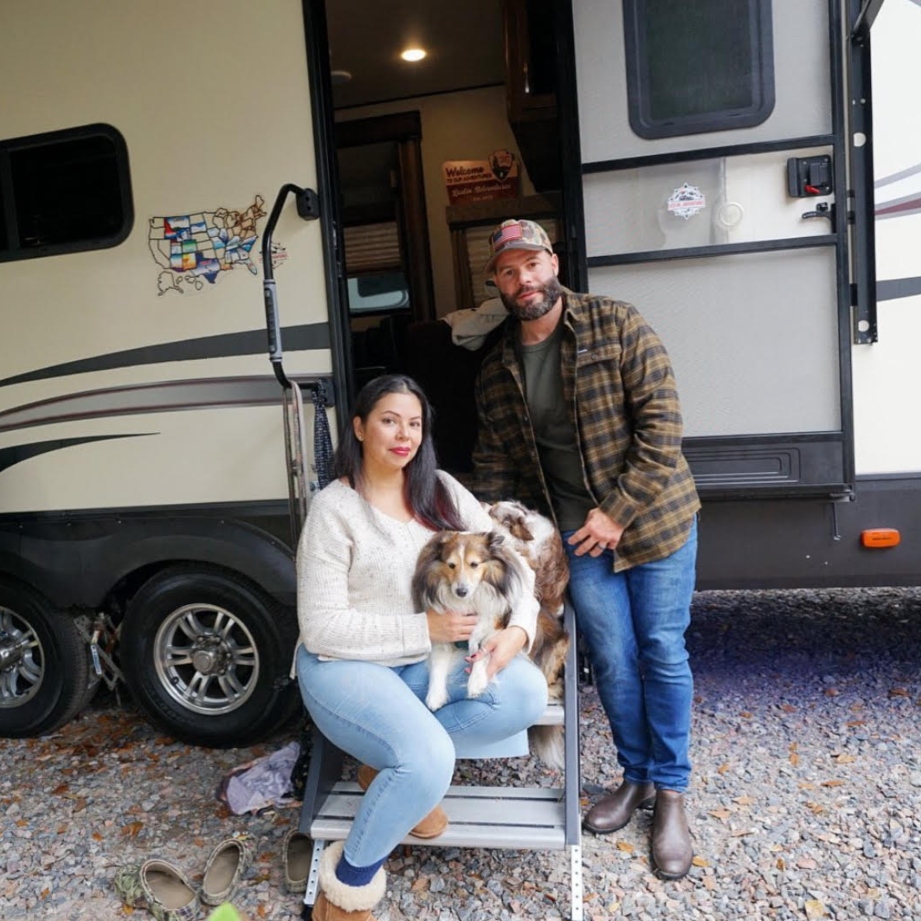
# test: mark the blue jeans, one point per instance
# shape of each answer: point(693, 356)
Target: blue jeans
point(634, 623)
point(378, 715)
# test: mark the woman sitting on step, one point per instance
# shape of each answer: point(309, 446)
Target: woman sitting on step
point(362, 664)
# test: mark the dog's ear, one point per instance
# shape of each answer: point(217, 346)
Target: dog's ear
point(495, 542)
point(428, 555)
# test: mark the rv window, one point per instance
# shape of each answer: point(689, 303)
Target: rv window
point(386, 292)
point(702, 66)
point(64, 192)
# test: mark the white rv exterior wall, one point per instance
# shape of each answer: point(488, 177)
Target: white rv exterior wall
point(213, 102)
point(886, 390)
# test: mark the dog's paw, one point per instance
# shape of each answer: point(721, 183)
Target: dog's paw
point(478, 680)
point(435, 700)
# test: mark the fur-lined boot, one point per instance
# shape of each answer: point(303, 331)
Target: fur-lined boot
point(338, 902)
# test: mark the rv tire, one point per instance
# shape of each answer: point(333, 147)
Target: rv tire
point(207, 656)
point(45, 674)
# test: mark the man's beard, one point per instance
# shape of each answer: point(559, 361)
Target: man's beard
point(534, 309)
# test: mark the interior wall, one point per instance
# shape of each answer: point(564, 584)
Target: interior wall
point(468, 125)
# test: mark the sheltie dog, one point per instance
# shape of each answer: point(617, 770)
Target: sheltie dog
point(479, 571)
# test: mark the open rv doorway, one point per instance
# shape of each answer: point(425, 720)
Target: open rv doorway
point(411, 232)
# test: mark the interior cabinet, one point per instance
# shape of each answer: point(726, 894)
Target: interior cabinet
point(531, 85)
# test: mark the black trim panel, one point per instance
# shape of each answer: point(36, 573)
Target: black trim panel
point(780, 465)
point(806, 543)
point(79, 559)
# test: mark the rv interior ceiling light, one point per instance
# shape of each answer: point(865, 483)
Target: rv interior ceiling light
point(413, 54)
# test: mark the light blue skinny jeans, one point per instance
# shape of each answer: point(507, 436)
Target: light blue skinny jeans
point(634, 623)
point(378, 715)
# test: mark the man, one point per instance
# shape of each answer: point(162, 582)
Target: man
point(579, 416)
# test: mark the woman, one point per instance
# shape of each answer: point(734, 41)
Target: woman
point(362, 664)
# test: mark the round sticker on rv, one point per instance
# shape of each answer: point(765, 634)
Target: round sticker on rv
point(686, 201)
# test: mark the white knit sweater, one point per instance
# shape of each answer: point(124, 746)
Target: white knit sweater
point(354, 578)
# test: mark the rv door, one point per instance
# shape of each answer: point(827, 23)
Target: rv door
point(713, 163)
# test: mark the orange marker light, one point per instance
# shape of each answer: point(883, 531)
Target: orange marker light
point(875, 538)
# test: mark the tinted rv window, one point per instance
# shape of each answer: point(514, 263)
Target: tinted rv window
point(64, 192)
point(702, 66)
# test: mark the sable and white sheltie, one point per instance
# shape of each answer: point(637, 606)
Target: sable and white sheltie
point(464, 570)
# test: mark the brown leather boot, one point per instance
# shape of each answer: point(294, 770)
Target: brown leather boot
point(614, 811)
point(671, 839)
point(431, 826)
point(338, 902)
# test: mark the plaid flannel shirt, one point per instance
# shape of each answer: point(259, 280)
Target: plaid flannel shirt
point(620, 390)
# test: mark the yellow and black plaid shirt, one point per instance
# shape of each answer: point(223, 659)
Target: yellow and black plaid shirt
point(620, 390)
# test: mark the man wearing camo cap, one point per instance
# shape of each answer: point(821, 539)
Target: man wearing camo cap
point(579, 418)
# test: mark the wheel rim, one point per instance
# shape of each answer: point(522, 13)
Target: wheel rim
point(206, 659)
point(22, 660)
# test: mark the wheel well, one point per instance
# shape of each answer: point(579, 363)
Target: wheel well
point(119, 596)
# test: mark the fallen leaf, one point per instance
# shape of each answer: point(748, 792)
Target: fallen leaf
point(794, 759)
point(745, 715)
point(814, 909)
point(420, 883)
point(781, 863)
point(845, 759)
point(832, 692)
point(723, 768)
point(832, 783)
point(625, 846)
point(721, 814)
point(699, 861)
point(788, 708)
point(805, 785)
point(898, 692)
point(853, 724)
point(132, 829)
point(817, 808)
point(21, 823)
point(744, 800)
point(60, 788)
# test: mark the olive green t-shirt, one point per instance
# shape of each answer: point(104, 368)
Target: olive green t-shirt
point(554, 432)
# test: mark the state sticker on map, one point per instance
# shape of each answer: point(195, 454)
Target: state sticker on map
point(686, 201)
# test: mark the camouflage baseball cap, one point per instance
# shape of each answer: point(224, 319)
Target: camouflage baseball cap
point(514, 234)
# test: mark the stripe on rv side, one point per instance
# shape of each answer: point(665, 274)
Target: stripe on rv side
point(9, 457)
point(307, 337)
point(135, 399)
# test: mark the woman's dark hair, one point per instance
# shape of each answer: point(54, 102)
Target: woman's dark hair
point(428, 497)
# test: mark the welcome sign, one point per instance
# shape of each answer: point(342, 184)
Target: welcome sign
point(482, 180)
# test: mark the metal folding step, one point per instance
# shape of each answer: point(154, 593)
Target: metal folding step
point(514, 818)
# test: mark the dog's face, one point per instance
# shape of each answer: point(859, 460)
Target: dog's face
point(463, 570)
point(462, 562)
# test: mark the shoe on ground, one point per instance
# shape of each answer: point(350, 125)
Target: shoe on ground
point(225, 867)
point(612, 812)
point(163, 889)
point(672, 852)
point(297, 854)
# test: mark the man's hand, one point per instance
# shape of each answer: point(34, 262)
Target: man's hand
point(501, 649)
point(452, 627)
point(599, 533)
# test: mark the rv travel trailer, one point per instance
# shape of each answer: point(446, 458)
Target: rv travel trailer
point(175, 178)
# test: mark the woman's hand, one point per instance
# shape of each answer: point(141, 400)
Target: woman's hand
point(452, 627)
point(501, 648)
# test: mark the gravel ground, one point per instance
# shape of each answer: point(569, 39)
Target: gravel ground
point(806, 798)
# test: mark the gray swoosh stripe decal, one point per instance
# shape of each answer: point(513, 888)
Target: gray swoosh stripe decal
point(902, 174)
point(898, 287)
point(162, 396)
point(9, 457)
point(897, 207)
point(310, 336)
